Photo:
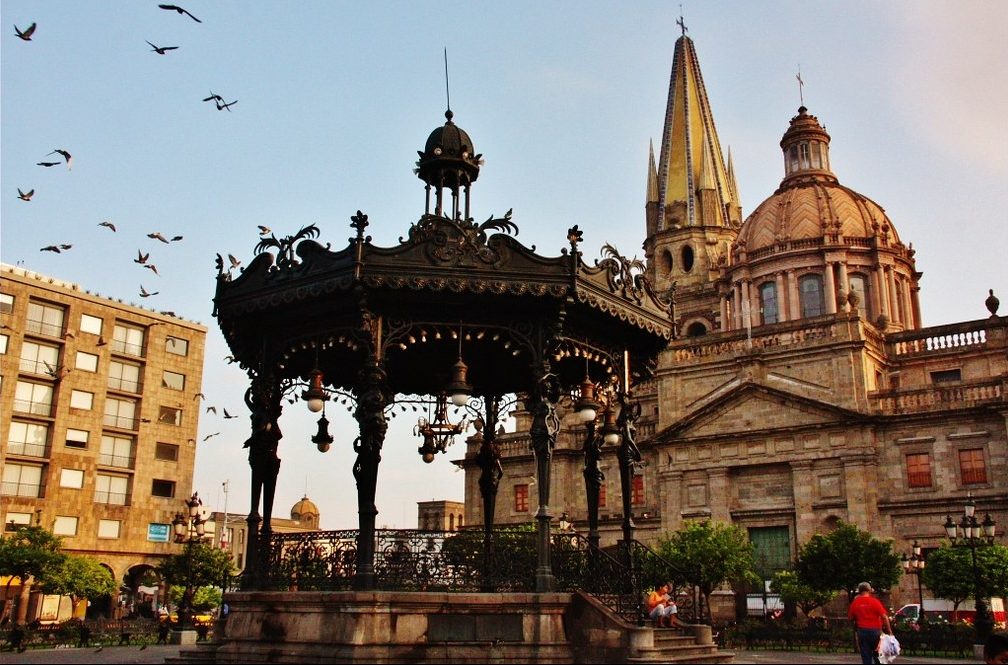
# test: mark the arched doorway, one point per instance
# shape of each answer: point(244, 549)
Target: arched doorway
point(141, 591)
point(103, 607)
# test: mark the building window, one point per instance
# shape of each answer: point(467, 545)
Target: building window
point(112, 490)
point(771, 549)
point(637, 491)
point(72, 478)
point(128, 340)
point(768, 302)
point(116, 451)
point(918, 470)
point(38, 358)
point(170, 415)
point(177, 345)
point(109, 528)
point(946, 376)
point(120, 413)
point(65, 525)
point(33, 398)
point(811, 296)
point(521, 504)
point(166, 451)
point(90, 324)
point(27, 439)
point(859, 285)
point(601, 495)
point(687, 258)
point(173, 380)
point(81, 399)
point(6, 303)
point(164, 488)
point(44, 319)
point(972, 468)
point(3, 344)
point(13, 520)
point(21, 480)
point(124, 376)
point(86, 361)
point(77, 438)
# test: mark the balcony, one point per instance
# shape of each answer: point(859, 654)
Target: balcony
point(929, 398)
point(33, 408)
point(952, 338)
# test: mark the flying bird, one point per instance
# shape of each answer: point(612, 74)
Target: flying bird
point(101, 341)
point(50, 248)
point(264, 230)
point(212, 409)
point(161, 50)
point(158, 236)
point(26, 33)
point(47, 164)
point(199, 396)
point(151, 266)
point(145, 294)
point(228, 415)
point(180, 11)
point(66, 155)
point(176, 238)
point(221, 105)
point(108, 225)
point(234, 262)
point(214, 98)
point(210, 436)
point(230, 359)
point(141, 257)
point(65, 246)
point(25, 197)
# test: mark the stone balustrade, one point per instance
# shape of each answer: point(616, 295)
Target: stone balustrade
point(939, 339)
point(790, 334)
point(948, 397)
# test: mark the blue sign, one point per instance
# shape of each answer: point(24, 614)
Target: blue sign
point(158, 533)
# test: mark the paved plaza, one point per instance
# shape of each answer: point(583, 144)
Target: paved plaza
point(158, 654)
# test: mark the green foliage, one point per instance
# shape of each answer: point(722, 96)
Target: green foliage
point(204, 599)
point(949, 572)
point(79, 577)
point(707, 554)
point(992, 562)
point(845, 557)
point(792, 589)
point(31, 551)
point(199, 565)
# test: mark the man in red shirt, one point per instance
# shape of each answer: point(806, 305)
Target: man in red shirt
point(869, 616)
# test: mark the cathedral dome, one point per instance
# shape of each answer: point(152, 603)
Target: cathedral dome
point(304, 508)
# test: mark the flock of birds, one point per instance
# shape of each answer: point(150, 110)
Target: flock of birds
point(143, 259)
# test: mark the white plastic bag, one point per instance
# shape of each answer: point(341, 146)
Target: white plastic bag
point(889, 648)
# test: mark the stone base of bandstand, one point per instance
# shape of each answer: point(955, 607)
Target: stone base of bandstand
point(392, 627)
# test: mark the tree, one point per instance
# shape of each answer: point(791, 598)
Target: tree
point(29, 553)
point(79, 577)
point(792, 589)
point(204, 599)
point(708, 554)
point(198, 566)
point(949, 573)
point(845, 557)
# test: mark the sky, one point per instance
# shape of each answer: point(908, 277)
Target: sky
point(561, 98)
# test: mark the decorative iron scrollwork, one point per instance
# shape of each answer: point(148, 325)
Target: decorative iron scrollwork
point(285, 247)
point(460, 241)
point(624, 275)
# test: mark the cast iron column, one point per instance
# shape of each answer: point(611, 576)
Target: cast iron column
point(629, 456)
point(543, 434)
point(263, 400)
point(372, 398)
point(593, 480)
point(488, 459)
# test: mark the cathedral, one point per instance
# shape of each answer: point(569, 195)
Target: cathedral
point(800, 388)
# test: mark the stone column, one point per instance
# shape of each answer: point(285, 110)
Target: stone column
point(844, 285)
point(829, 289)
point(878, 275)
point(372, 398)
point(894, 310)
point(859, 485)
point(915, 298)
point(737, 302)
point(803, 482)
point(908, 306)
point(671, 508)
point(794, 300)
point(719, 494)
point(724, 313)
point(781, 310)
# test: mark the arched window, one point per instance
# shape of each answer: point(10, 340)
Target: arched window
point(665, 261)
point(859, 286)
point(451, 522)
point(687, 258)
point(811, 289)
point(768, 301)
point(696, 329)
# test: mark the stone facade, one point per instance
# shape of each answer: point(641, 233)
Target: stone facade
point(101, 408)
point(440, 515)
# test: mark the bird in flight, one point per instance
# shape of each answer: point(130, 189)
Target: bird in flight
point(161, 50)
point(25, 197)
point(228, 415)
point(210, 436)
point(65, 246)
point(50, 248)
point(157, 236)
point(264, 230)
point(152, 267)
point(145, 294)
point(108, 225)
point(48, 164)
point(199, 396)
point(214, 98)
point(221, 105)
point(25, 34)
point(66, 155)
point(176, 238)
point(234, 262)
point(230, 359)
point(180, 11)
point(141, 257)
point(212, 409)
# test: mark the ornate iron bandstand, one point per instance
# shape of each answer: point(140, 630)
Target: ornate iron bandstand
point(457, 310)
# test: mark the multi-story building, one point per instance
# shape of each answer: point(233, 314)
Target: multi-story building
point(100, 403)
point(440, 515)
point(229, 531)
point(802, 388)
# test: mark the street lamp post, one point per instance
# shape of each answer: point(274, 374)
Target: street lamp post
point(914, 565)
point(973, 534)
point(190, 529)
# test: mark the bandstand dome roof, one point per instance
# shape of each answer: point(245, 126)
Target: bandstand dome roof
point(810, 203)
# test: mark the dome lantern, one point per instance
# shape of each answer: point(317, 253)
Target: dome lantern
point(806, 148)
point(448, 161)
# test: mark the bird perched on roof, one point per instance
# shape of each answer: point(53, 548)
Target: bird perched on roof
point(141, 257)
point(161, 50)
point(66, 155)
point(25, 34)
point(180, 11)
point(157, 236)
point(25, 196)
point(108, 225)
point(146, 294)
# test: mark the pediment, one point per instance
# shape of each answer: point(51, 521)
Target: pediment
point(753, 407)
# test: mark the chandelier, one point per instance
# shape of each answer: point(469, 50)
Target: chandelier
point(439, 433)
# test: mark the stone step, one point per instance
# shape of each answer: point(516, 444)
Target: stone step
point(710, 654)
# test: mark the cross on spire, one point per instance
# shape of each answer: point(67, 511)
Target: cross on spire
point(680, 22)
point(801, 83)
